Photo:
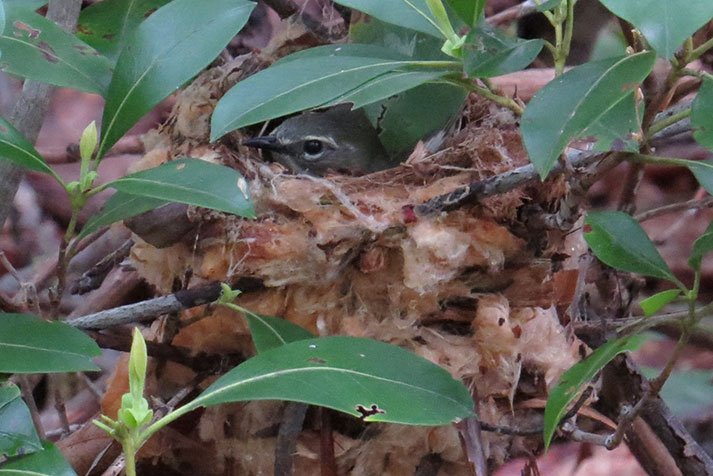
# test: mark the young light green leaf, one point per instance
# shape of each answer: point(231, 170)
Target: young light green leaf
point(17, 432)
point(586, 92)
point(164, 52)
point(120, 206)
point(270, 332)
point(48, 462)
point(412, 14)
point(664, 24)
point(36, 48)
point(701, 116)
point(702, 246)
point(107, 25)
point(617, 129)
point(311, 80)
point(31, 345)
point(619, 241)
point(573, 380)
point(15, 148)
point(469, 11)
point(489, 52)
point(192, 181)
point(361, 377)
point(653, 304)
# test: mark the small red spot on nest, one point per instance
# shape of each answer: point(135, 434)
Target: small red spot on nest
point(408, 214)
point(587, 228)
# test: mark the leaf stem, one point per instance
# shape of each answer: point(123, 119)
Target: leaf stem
point(667, 121)
point(698, 52)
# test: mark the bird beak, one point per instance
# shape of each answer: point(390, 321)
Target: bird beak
point(264, 142)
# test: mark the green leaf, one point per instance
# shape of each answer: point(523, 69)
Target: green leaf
point(702, 246)
point(703, 171)
point(106, 25)
point(412, 14)
point(270, 332)
point(36, 48)
point(619, 241)
point(348, 374)
point(120, 206)
point(488, 52)
point(26, 4)
point(652, 304)
point(664, 24)
point(15, 148)
point(17, 431)
point(580, 96)
point(688, 393)
point(164, 52)
point(548, 5)
point(405, 119)
point(469, 11)
point(48, 462)
point(617, 128)
point(701, 116)
point(408, 117)
point(573, 380)
point(192, 181)
point(31, 345)
point(325, 75)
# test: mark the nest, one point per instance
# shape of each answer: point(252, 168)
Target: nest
point(471, 290)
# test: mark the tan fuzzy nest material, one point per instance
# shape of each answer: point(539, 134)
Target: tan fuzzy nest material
point(348, 255)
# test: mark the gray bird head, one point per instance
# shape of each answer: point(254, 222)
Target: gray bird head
point(338, 139)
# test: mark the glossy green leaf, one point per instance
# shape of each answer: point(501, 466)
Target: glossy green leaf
point(582, 95)
point(120, 206)
point(322, 76)
point(701, 116)
point(48, 462)
point(17, 431)
point(36, 48)
point(15, 148)
point(702, 246)
point(31, 345)
point(664, 24)
point(573, 380)
point(653, 304)
point(617, 129)
point(469, 11)
point(163, 53)
point(619, 241)
point(269, 332)
point(548, 5)
point(488, 52)
point(412, 14)
point(106, 25)
point(192, 181)
point(361, 377)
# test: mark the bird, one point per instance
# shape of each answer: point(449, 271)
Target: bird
point(339, 139)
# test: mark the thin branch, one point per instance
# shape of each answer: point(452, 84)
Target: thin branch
point(148, 310)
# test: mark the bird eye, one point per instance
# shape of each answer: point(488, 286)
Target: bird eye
point(312, 147)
